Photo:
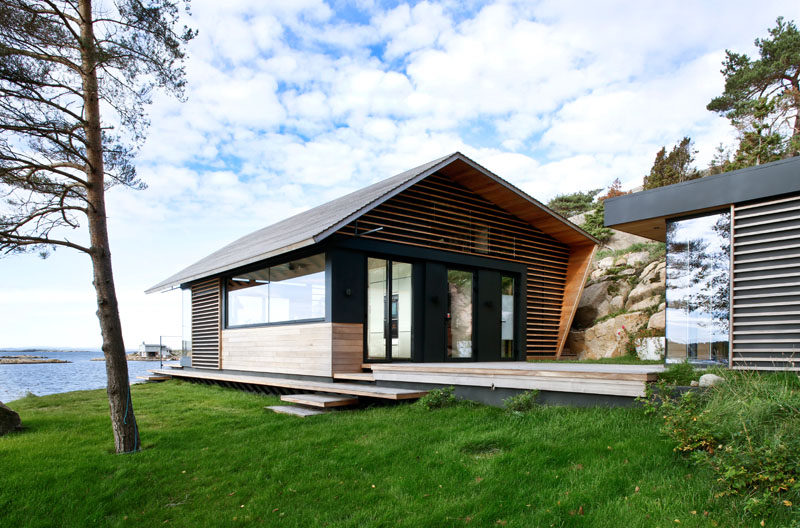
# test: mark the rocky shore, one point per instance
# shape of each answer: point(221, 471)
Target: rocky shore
point(27, 360)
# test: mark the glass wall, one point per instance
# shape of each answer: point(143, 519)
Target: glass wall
point(459, 313)
point(507, 318)
point(698, 288)
point(186, 322)
point(377, 289)
point(401, 310)
point(293, 291)
point(389, 309)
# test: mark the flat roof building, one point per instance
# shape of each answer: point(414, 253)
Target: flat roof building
point(733, 263)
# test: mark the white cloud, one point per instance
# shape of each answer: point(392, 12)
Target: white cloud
point(291, 104)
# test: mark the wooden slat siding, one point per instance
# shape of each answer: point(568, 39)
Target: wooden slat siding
point(348, 347)
point(765, 292)
point(304, 349)
point(577, 270)
point(440, 214)
point(206, 305)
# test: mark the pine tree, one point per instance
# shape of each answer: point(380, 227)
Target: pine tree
point(62, 64)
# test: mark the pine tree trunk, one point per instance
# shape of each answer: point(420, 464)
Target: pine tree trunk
point(123, 421)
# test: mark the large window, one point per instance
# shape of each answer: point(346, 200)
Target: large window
point(293, 291)
point(388, 309)
point(698, 288)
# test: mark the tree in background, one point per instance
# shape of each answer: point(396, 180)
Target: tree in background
point(62, 62)
point(762, 97)
point(572, 204)
point(614, 190)
point(674, 167)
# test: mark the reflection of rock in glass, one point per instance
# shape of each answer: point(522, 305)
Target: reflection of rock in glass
point(698, 273)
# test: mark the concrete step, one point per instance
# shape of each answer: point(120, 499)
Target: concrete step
point(323, 401)
point(294, 410)
point(354, 376)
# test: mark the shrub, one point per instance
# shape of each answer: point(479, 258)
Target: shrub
point(746, 431)
point(522, 402)
point(679, 374)
point(594, 225)
point(438, 398)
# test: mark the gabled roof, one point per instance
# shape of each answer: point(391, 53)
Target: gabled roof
point(314, 225)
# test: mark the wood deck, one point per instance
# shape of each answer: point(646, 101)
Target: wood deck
point(578, 378)
point(583, 378)
point(353, 389)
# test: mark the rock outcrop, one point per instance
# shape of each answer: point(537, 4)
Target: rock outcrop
point(623, 297)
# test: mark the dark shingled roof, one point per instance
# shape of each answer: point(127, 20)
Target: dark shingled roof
point(312, 226)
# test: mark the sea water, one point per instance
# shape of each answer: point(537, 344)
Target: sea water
point(51, 378)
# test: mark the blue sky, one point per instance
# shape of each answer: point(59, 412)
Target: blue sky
point(295, 102)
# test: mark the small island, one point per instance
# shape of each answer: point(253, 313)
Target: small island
point(27, 360)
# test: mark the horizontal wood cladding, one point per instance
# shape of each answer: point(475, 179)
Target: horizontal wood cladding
point(440, 214)
point(206, 306)
point(314, 349)
point(765, 326)
point(348, 347)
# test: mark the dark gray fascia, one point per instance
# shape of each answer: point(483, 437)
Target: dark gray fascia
point(752, 183)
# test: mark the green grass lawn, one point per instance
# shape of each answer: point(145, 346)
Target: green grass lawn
point(215, 457)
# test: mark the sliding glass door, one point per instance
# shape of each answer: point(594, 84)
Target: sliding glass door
point(460, 289)
point(389, 309)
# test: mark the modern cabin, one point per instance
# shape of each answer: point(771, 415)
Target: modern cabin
point(445, 265)
point(733, 263)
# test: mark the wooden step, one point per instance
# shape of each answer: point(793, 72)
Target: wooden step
point(154, 378)
point(355, 376)
point(302, 412)
point(351, 389)
point(320, 400)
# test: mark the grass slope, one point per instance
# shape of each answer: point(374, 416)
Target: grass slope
point(215, 457)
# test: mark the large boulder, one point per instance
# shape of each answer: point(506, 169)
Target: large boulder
point(591, 300)
point(645, 290)
point(605, 263)
point(620, 240)
point(644, 304)
point(607, 339)
point(638, 258)
point(658, 321)
point(9, 420)
point(709, 380)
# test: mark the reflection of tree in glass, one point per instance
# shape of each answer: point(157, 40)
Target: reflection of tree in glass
point(698, 253)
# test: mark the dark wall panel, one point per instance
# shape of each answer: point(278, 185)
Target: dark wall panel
point(346, 289)
point(766, 285)
point(487, 325)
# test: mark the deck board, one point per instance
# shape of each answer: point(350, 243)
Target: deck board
point(354, 389)
point(320, 400)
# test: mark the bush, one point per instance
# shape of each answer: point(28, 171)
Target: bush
point(439, 398)
point(594, 225)
point(522, 402)
point(679, 374)
point(746, 431)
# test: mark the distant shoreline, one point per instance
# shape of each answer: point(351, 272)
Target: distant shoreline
point(140, 358)
point(28, 360)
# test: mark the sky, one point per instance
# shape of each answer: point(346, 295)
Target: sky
point(291, 103)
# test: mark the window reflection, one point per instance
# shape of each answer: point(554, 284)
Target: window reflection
point(698, 287)
point(292, 291)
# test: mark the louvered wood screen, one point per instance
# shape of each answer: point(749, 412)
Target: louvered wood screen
point(206, 305)
point(766, 285)
point(441, 214)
